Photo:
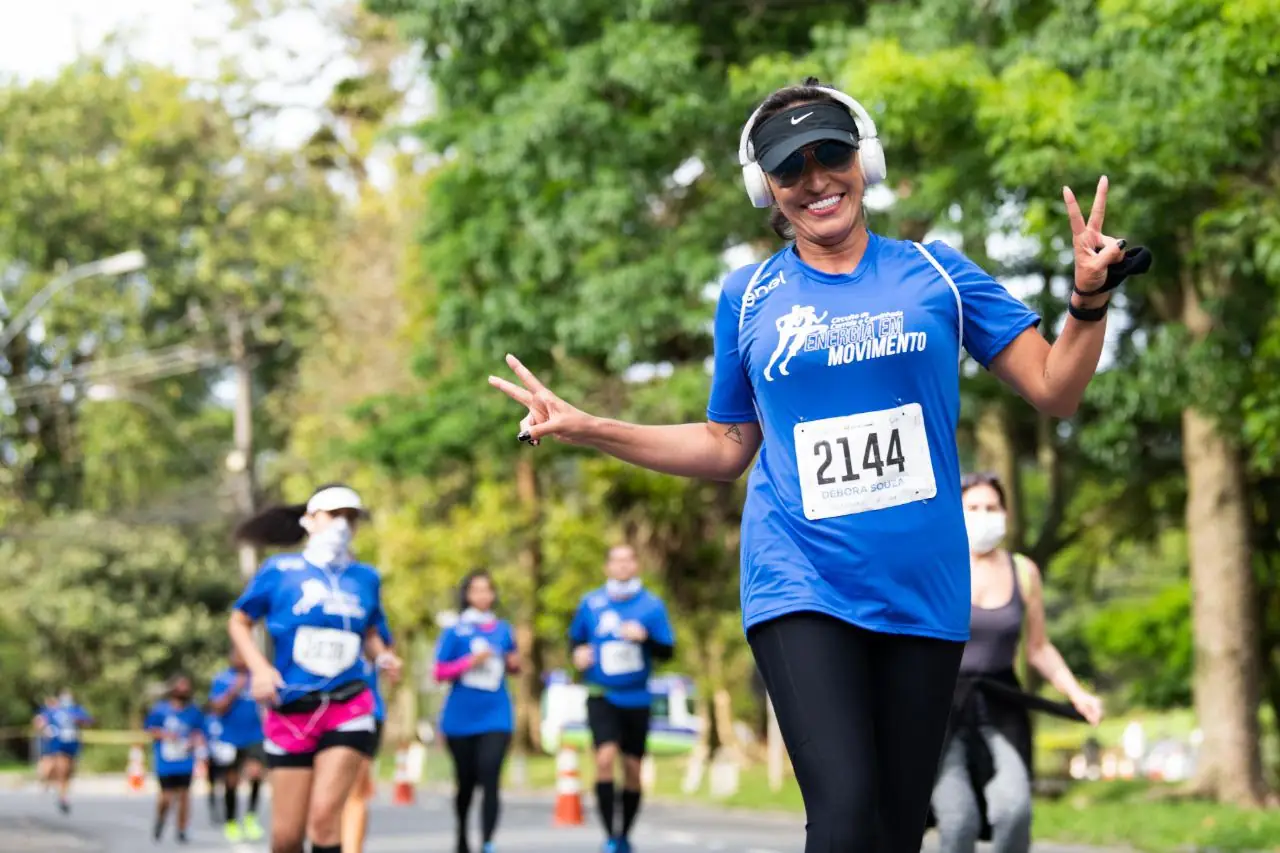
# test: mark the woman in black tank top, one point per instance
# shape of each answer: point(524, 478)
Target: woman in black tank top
point(983, 789)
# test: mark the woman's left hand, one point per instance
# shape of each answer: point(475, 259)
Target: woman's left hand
point(1089, 706)
point(1094, 251)
point(389, 664)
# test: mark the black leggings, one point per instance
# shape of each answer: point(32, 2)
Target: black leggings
point(477, 760)
point(863, 716)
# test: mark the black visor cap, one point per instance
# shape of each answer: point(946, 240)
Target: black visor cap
point(777, 138)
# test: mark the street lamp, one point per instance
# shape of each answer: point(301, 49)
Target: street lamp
point(126, 262)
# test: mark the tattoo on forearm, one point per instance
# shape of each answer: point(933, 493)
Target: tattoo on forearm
point(734, 434)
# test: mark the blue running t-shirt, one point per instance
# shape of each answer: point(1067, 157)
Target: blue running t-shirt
point(853, 507)
point(175, 750)
point(241, 724)
point(478, 702)
point(622, 668)
point(317, 618)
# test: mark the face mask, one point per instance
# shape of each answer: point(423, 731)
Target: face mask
point(622, 589)
point(985, 530)
point(330, 546)
point(65, 699)
point(477, 617)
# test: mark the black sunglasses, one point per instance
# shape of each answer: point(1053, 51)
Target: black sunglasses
point(830, 154)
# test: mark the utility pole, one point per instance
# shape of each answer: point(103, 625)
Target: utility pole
point(240, 462)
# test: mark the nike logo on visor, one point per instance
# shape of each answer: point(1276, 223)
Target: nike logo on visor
point(798, 119)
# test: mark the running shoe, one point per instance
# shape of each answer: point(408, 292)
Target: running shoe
point(64, 807)
point(610, 846)
point(623, 846)
point(158, 830)
point(488, 848)
point(232, 832)
point(252, 829)
point(182, 838)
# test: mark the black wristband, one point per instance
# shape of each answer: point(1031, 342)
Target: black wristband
point(1088, 315)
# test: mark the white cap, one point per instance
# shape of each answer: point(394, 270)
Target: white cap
point(335, 498)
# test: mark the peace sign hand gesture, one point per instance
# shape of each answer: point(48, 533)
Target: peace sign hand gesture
point(1094, 251)
point(548, 414)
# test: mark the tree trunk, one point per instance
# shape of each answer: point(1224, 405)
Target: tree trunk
point(998, 455)
point(1223, 602)
point(529, 696)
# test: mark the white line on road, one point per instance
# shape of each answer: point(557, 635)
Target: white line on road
point(686, 838)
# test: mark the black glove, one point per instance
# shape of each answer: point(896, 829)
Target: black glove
point(1136, 261)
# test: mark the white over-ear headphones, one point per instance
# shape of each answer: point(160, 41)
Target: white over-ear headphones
point(870, 152)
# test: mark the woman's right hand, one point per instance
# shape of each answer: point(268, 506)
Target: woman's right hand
point(548, 414)
point(584, 657)
point(263, 684)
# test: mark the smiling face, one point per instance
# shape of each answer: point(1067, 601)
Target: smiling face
point(825, 205)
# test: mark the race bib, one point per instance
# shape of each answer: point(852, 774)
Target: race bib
point(223, 753)
point(857, 463)
point(488, 675)
point(174, 750)
point(325, 652)
point(619, 657)
point(69, 732)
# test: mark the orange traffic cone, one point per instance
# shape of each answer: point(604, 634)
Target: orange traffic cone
point(137, 768)
point(404, 784)
point(568, 789)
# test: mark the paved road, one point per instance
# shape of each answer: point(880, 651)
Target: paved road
point(105, 821)
point(114, 823)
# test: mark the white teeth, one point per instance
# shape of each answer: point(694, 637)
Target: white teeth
point(823, 204)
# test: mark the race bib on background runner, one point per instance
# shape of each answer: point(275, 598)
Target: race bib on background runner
point(488, 675)
point(620, 657)
point(223, 753)
point(856, 463)
point(174, 750)
point(325, 652)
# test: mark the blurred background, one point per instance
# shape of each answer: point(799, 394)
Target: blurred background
point(250, 246)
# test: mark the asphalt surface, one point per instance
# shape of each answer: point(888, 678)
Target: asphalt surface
point(105, 818)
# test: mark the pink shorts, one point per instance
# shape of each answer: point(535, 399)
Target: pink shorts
point(292, 740)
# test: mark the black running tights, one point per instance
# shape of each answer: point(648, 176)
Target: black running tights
point(477, 761)
point(863, 716)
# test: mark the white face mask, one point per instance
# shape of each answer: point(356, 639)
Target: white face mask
point(985, 530)
point(330, 546)
point(477, 617)
point(622, 589)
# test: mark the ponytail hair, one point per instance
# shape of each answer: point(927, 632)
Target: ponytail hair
point(278, 525)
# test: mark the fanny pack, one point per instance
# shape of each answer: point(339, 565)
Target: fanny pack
point(310, 702)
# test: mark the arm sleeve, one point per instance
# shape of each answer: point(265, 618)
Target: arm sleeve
point(993, 317)
point(255, 601)
point(732, 400)
point(661, 641)
point(579, 628)
point(451, 659)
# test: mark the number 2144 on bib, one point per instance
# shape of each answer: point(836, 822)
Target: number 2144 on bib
point(856, 463)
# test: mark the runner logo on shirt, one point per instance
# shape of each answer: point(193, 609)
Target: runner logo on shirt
point(608, 624)
point(335, 602)
point(848, 339)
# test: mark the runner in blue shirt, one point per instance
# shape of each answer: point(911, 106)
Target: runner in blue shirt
point(237, 751)
point(476, 655)
point(619, 631)
point(355, 814)
point(323, 610)
point(176, 727)
point(60, 724)
point(837, 358)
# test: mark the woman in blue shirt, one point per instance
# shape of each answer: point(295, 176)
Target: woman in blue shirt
point(323, 610)
point(177, 730)
point(238, 748)
point(60, 723)
point(476, 655)
point(837, 358)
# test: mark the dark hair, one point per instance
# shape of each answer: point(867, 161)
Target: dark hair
point(279, 525)
point(969, 481)
point(810, 91)
point(464, 586)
